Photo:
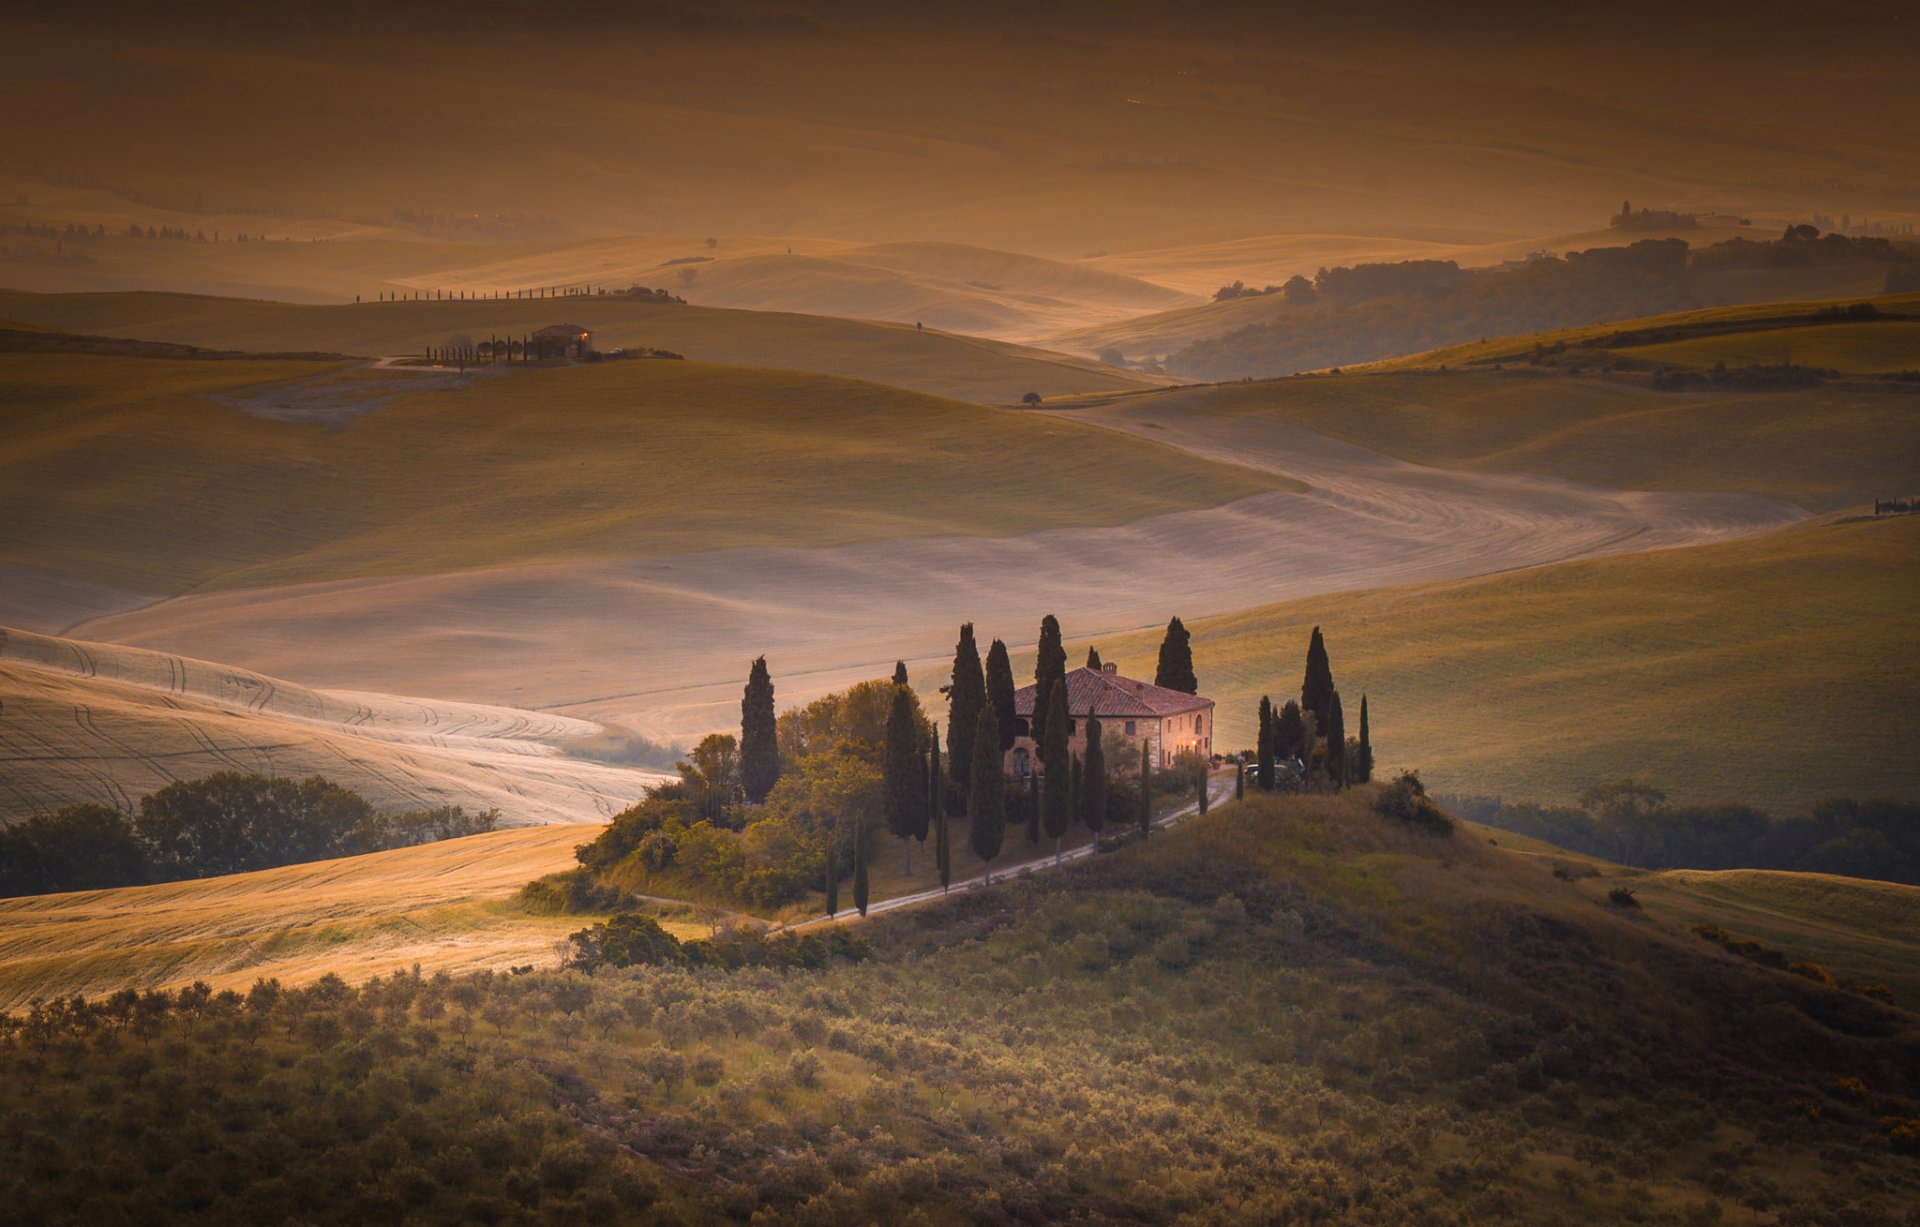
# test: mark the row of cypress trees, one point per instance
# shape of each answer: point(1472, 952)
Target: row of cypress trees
point(1292, 731)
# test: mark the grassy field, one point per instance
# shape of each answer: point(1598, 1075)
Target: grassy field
point(442, 905)
point(1860, 348)
point(1823, 448)
point(1857, 930)
point(936, 363)
point(130, 472)
point(1700, 669)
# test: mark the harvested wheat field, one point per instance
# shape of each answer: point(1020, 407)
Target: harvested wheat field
point(445, 906)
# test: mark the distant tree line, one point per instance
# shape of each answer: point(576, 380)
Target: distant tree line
point(1651, 219)
point(225, 823)
point(1631, 822)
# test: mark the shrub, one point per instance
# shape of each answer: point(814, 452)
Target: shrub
point(1405, 800)
point(1812, 971)
point(1620, 896)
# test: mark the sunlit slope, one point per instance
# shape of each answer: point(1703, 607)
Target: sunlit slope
point(1860, 929)
point(966, 368)
point(90, 722)
point(944, 285)
point(1698, 669)
point(1824, 447)
point(1864, 348)
point(441, 905)
point(129, 472)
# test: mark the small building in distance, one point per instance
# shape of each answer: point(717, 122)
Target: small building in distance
point(1167, 721)
point(562, 341)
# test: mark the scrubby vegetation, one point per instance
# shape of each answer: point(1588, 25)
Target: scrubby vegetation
point(1631, 822)
point(225, 823)
point(1291, 1010)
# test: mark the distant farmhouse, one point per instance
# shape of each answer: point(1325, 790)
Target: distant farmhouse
point(562, 341)
point(1169, 722)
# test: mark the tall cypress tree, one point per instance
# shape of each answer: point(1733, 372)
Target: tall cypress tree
point(1337, 745)
point(904, 789)
point(1363, 769)
point(1264, 754)
point(1000, 693)
point(759, 745)
point(899, 672)
point(965, 694)
point(986, 799)
point(1175, 671)
point(1093, 781)
point(1074, 784)
point(1316, 690)
point(1146, 790)
point(1093, 659)
point(1200, 786)
point(833, 882)
point(1290, 733)
point(936, 784)
point(1049, 668)
point(1239, 781)
point(1030, 807)
point(1056, 796)
point(942, 849)
point(860, 865)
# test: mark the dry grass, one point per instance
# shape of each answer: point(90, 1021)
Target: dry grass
point(444, 906)
point(127, 471)
point(1701, 669)
point(1868, 347)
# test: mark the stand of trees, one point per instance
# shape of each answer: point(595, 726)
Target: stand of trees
point(225, 823)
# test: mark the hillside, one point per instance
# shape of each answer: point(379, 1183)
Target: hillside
point(1288, 1009)
point(934, 363)
point(1825, 447)
point(93, 722)
point(1697, 669)
point(443, 905)
point(617, 459)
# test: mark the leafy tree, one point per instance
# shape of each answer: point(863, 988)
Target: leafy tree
point(1000, 693)
point(1093, 780)
point(906, 790)
point(1264, 753)
point(1337, 745)
point(1362, 766)
point(233, 823)
point(1093, 659)
point(1049, 668)
point(1316, 691)
point(965, 695)
point(1175, 671)
point(711, 776)
point(986, 799)
point(1624, 813)
point(759, 744)
point(1031, 398)
point(81, 847)
point(1056, 799)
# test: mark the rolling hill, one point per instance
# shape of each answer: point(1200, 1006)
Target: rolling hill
point(94, 722)
point(1697, 669)
point(939, 364)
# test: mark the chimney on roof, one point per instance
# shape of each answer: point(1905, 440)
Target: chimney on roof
point(1107, 666)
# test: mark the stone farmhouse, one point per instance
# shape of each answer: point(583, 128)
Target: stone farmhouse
point(1168, 721)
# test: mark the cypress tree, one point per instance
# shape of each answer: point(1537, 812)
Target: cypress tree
point(899, 672)
point(904, 788)
point(1200, 783)
point(986, 799)
point(1049, 667)
point(1239, 781)
point(1316, 690)
point(965, 694)
point(1093, 782)
point(833, 883)
point(1337, 745)
point(860, 865)
point(1290, 733)
point(1093, 659)
point(759, 747)
point(942, 850)
point(1000, 693)
point(1263, 761)
point(1031, 807)
point(1175, 671)
point(1056, 797)
point(1074, 784)
point(1146, 790)
point(1363, 769)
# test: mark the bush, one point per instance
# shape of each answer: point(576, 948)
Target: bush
point(1620, 896)
point(1405, 800)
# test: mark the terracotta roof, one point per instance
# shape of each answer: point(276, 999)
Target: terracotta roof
point(1093, 693)
point(562, 330)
